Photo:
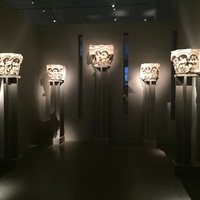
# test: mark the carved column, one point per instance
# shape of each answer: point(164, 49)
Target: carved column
point(186, 66)
point(102, 87)
point(9, 71)
point(56, 78)
point(149, 73)
point(183, 119)
point(102, 57)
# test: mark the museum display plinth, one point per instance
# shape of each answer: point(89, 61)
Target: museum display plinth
point(149, 73)
point(9, 75)
point(102, 106)
point(57, 115)
point(187, 67)
point(56, 74)
point(9, 118)
point(101, 59)
point(149, 139)
point(187, 127)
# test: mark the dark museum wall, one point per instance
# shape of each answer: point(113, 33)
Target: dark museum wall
point(148, 42)
point(189, 29)
point(17, 35)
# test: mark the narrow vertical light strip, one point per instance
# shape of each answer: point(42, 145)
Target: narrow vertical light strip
point(125, 75)
point(1, 117)
point(173, 96)
point(80, 76)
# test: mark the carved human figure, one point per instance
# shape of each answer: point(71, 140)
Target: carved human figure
point(186, 61)
point(10, 64)
point(149, 71)
point(56, 72)
point(102, 55)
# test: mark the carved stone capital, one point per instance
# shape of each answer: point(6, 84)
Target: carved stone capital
point(56, 72)
point(186, 61)
point(149, 71)
point(101, 55)
point(10, 64)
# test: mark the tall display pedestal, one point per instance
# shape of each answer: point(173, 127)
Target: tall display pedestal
point(149, 139)
point(187, 125)
point(9, 119)
point(57, 112)
point(102, 97)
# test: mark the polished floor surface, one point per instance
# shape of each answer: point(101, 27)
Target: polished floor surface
point(79, 171)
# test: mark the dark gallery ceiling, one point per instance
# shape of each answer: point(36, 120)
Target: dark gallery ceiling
point(49, 12)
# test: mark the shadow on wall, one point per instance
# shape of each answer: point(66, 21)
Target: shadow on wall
point(49, 123)
point(44, 82)
point(49, 128)
point(89, 62)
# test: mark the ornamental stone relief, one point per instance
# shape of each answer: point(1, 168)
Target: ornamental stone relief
point(56, 72)
point(10, 64)
point(102, 55)
point(149, 71)
point(186, 61)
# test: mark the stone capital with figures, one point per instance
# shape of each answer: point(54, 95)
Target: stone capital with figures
point(10, 64)
point(101, 55)
point(56, 72)
point(149, 71)
point(186, 61)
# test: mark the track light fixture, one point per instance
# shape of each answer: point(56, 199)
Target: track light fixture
point(38, 4)
point(145, 18)
point(114, 10)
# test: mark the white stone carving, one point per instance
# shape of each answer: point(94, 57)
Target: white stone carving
point(56, 72)
point(186, 60)
point(10, 64)
point(149, 71)
point(102, 55)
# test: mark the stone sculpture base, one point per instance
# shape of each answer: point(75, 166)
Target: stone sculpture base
point(59, 140)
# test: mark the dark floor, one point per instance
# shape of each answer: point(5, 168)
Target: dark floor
point(190, 182)
point(79, 171)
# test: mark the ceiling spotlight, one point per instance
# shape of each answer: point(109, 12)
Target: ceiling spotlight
point(113, 5)
point(33, 2)
point(145, 19)
point(43, 10)
point(54, 20)
point(115, 19)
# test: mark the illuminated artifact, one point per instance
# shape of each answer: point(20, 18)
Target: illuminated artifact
point(186, 60)
point(56, 72)
point(149, 71)
point(102, 55)
point(10, 64)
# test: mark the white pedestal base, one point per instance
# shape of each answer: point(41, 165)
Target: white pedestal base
point(59, 140)
point(149, 143)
